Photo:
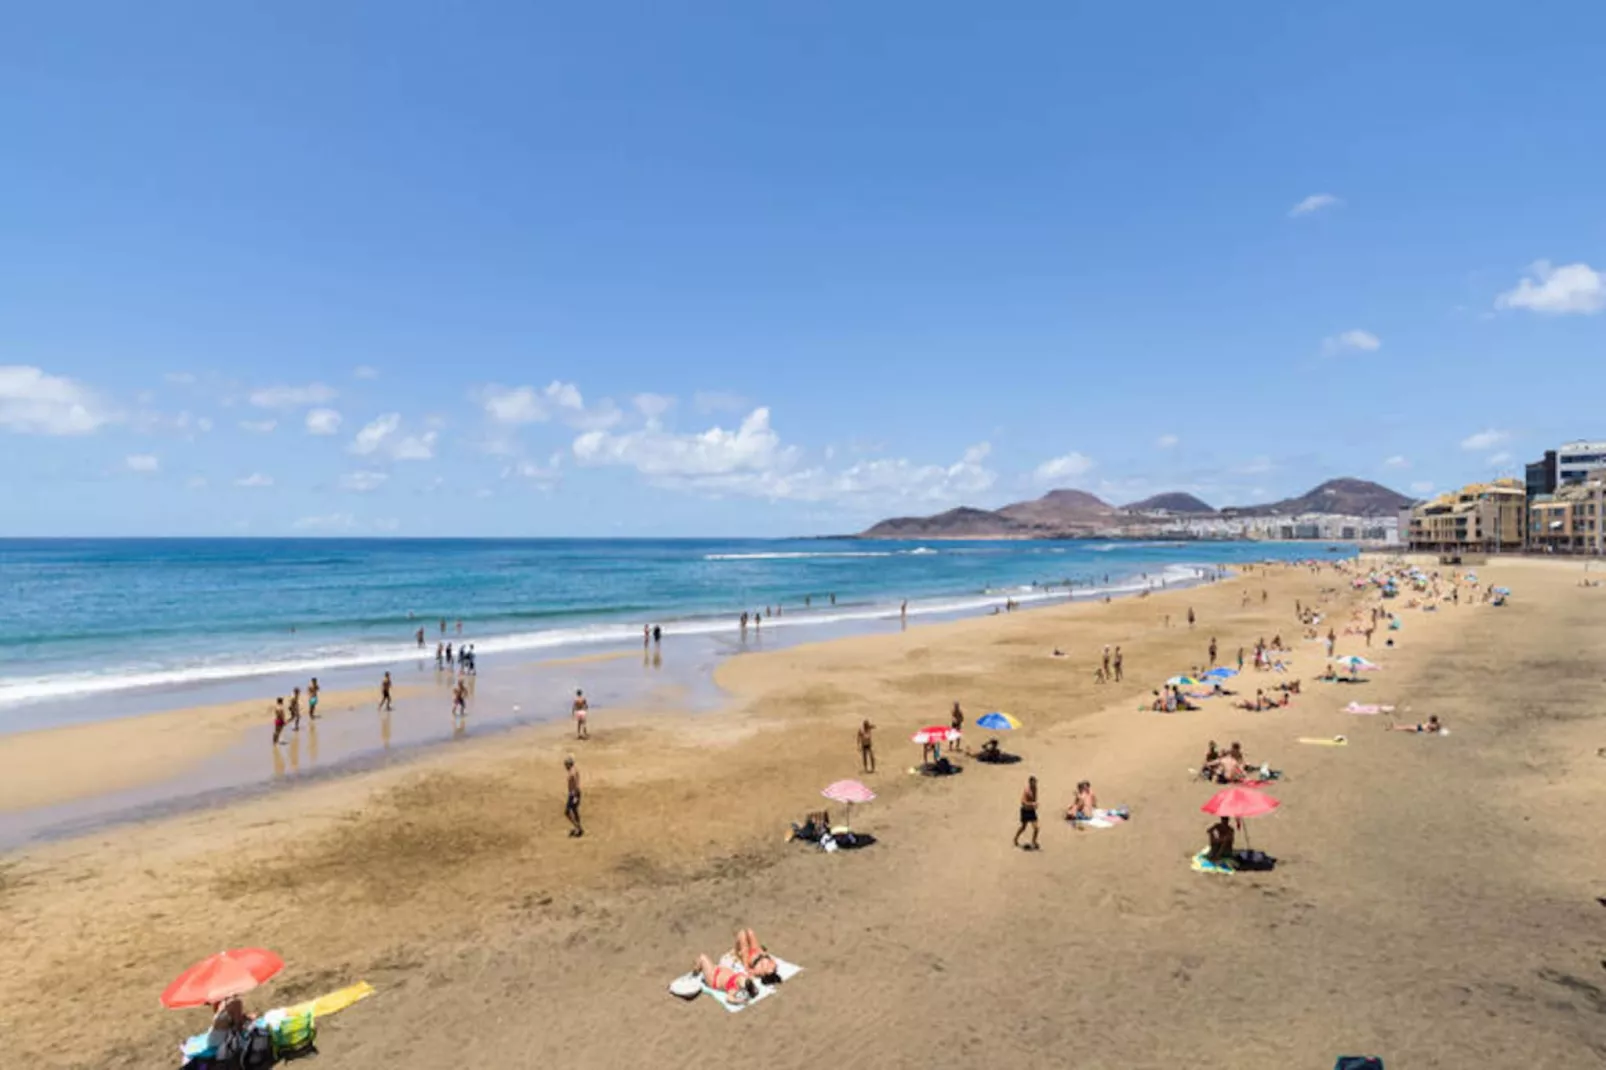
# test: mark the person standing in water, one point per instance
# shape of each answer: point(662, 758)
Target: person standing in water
point(295, 709)
point(312, 700)
point(460, 699)
point(278, 720)
point(384, 693)
point(580, 708)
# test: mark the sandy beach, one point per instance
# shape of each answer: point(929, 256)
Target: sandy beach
point(1434, 900)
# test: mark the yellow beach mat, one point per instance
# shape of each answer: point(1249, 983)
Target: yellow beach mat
point(326, 1005)
point(1336, 741)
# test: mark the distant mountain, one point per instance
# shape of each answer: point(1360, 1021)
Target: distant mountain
point(961, 523)
point(1349, 497)
point(1076, 513)
point(1174, 502)
point(1060, 509)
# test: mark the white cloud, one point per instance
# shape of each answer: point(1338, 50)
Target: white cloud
point(1422, 486)
point(1070, 466)
point(527, 405)
point(1498, 459)
point(1396, 461)
point(326, 522)
point(1558, 291)
point(142, 462)
point(323, 422)
point(362, 482)
point(752, 447)
point(1165, 442)
point(712, 401)
point(536, 473)
point(258, 427)
point(1484, 440)
point(1314, 203)
point(255, 479)
point(34, 403)
point(365, 371)
point(380, 437)
point(291, 397)
point(652, 406)
point(1363, 341)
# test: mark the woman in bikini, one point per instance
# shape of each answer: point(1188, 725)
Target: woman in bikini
point(751, 954)
point(738, 985)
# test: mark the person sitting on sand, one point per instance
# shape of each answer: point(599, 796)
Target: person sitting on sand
point(229, 1024)
point(1431, 726)
point(1084, 806)
point(1221, 838)
point(751, 954)
point(815, 824)
point(989, 752)
point(1158, 706)
point(1211, 759)
point(739, 986)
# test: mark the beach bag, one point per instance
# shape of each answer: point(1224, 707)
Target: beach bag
point(257, 1052)
point(293, 1035)
point(828, 842)
point(1358, 1062)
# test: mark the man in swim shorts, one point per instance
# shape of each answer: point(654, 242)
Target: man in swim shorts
point(581, 707)
point(571, 808)
point(312, 700)
point(1028, 813)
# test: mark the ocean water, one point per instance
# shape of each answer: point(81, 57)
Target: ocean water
point(99, 619)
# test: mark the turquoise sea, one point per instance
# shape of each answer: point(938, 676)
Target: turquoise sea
point(107, 618)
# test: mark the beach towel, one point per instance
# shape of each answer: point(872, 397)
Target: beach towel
point(1367, 708)
point(1202, 864)
point(1104, 818)
point(1336, 741)
point(332, 1002)
point(785, 969)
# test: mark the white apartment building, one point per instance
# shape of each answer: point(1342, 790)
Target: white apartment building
point(1576, 461)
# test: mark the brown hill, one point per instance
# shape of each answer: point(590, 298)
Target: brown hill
point(1349, 497)
point(1175, 502)
point(1060, 509)
point(961, 523)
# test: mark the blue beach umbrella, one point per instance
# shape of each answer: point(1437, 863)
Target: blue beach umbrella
point(997, 721)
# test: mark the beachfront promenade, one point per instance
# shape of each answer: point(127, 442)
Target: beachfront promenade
point(1432, 902)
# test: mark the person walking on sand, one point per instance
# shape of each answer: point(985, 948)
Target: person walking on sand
point(278, 720)
point(1190, 616)
point(1028, 813)
point(866, 747)
point(384, 693)
point(646, 636)
point(1212, 652)
point(1106, 675)
point(312, 700)
point(581, 708)
point(957, 722)
point(295, 709)
point(1118, 665)
point(571, 808)
point(460, 699)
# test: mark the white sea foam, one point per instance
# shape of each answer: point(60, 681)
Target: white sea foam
point(19, 690)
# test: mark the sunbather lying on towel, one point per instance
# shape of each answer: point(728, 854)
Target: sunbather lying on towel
point(1433, 726)
point(738, 985)
point(751, 954)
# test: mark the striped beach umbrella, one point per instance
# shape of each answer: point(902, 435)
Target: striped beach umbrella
point(997, 721)
point(935, 733)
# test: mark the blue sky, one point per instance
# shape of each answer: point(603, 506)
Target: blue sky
point(773, 268)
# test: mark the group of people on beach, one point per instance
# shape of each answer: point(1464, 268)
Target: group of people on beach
point(291, 715)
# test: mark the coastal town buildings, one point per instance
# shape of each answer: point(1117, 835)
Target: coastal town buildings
point(1479, 517)
point(1578, 461)
point(1572, 520)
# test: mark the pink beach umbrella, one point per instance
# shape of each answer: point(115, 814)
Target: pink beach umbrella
point(849, 792)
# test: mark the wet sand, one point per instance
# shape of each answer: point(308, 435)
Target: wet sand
point(1434, 900)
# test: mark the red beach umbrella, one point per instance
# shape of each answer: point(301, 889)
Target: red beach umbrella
point(1240, 802)
point(848, 791)
point(221, 976)
point(936, 733)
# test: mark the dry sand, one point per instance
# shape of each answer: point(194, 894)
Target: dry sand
point(1435, 900)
